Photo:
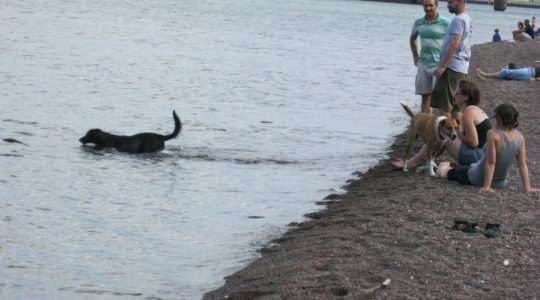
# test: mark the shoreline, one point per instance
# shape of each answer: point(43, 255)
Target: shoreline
point(394, 227)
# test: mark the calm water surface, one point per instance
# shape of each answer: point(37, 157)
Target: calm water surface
point(281, 101)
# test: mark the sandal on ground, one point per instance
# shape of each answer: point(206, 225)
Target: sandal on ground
point(465, 226)
point(491, 231)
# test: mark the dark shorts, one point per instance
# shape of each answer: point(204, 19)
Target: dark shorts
point(460, 175)
point(445, 89)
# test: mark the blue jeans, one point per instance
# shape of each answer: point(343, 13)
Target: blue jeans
point(516, 74)
point(468, 155)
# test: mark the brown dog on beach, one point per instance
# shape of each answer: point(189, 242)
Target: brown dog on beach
point(432, 130)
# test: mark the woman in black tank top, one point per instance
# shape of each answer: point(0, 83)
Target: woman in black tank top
point(467, 148)
point(482, 128)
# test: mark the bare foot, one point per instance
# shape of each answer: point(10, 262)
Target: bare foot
point(398, 163)
point(442, 169)
point(479, 74)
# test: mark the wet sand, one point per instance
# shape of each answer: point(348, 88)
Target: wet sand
point(396, 227)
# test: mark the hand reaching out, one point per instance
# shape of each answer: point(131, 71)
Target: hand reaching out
point(487, 190)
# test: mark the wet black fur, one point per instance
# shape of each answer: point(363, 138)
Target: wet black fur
point(139, 143)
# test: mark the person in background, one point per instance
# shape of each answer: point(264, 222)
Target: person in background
point(454, 61)
point(519, 34)
point(528, 29)
point(504, 144)
point(496, 36)
point(510, 72)
point(430, 28)
point(535, 27)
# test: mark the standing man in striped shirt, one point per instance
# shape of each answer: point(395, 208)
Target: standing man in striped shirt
point(430, 29)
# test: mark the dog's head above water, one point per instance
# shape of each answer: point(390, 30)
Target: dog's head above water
point(94, 136)
point(448, 128)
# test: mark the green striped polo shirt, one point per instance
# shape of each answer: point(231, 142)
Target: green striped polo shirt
point(431, 38)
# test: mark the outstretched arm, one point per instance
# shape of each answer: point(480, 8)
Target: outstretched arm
point(523, 169)
point(491, 158)
point(414, 48)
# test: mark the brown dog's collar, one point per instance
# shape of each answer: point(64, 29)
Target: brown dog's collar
point(437, 122)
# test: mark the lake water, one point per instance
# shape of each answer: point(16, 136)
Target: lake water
point(281, 102)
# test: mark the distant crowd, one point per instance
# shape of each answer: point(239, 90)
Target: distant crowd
point(526, 31)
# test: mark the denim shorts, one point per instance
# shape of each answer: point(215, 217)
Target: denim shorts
point(468, 155)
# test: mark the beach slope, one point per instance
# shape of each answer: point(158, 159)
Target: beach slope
point(395, 228)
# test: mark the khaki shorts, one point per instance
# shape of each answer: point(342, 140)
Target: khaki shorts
point(424, 79)
point(443, 93)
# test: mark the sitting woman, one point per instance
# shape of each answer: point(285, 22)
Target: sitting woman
point(503, 145)
point(467, 147)
point(520, 35)
point(511, 73)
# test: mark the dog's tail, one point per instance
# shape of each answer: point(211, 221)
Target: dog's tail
point(407, 109)
point(177, 127)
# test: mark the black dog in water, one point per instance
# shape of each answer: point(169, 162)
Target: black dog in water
point(138, 143)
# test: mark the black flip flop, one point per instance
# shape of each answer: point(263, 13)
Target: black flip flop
point(492, 231)
point(465, 226)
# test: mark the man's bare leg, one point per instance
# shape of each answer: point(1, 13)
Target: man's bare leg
point(426, 103)
point(483, 75)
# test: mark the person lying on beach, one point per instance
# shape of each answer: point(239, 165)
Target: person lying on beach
point(511, 73)
point(467, 147)
point(504, 143)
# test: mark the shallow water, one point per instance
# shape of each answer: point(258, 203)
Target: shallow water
point(280, 100)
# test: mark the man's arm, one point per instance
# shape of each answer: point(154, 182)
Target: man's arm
point(414, 48)
point(452, 48)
